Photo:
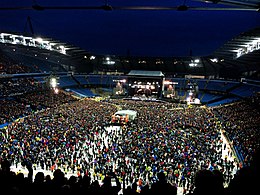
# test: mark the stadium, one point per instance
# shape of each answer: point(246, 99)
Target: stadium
point(185, 125)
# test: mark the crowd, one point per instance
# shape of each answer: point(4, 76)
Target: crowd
point(241, 123)
point(10, 66)
point(10, 87)
point(172, 139)
point(169, 145)
point(23, 105)
point(11, 92)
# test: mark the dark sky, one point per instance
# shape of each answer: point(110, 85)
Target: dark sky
point(138, 33)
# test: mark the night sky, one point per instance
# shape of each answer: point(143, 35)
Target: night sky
point(130, 32)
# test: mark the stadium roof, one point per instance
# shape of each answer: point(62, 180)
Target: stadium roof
point(242, 52)
point(245, 44)
point(239, 3)
point(145, 73)
point(41, 42)
point(70, 57)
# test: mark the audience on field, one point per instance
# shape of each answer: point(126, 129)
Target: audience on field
point(166, 147)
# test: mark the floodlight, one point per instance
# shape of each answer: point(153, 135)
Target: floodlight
point(53, 82)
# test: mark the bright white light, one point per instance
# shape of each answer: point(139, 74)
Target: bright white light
point(196, 60)
point(248, 47)
point(111, 62)
point(192, 64)
point(53, 82)
point(30, 41)
point(167, 82)
point(92, 57)
point(39, 39)
point(214, 60)
point(56, 90)
point(197, 101)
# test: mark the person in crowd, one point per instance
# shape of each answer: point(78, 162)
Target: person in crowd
point(162, 186)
